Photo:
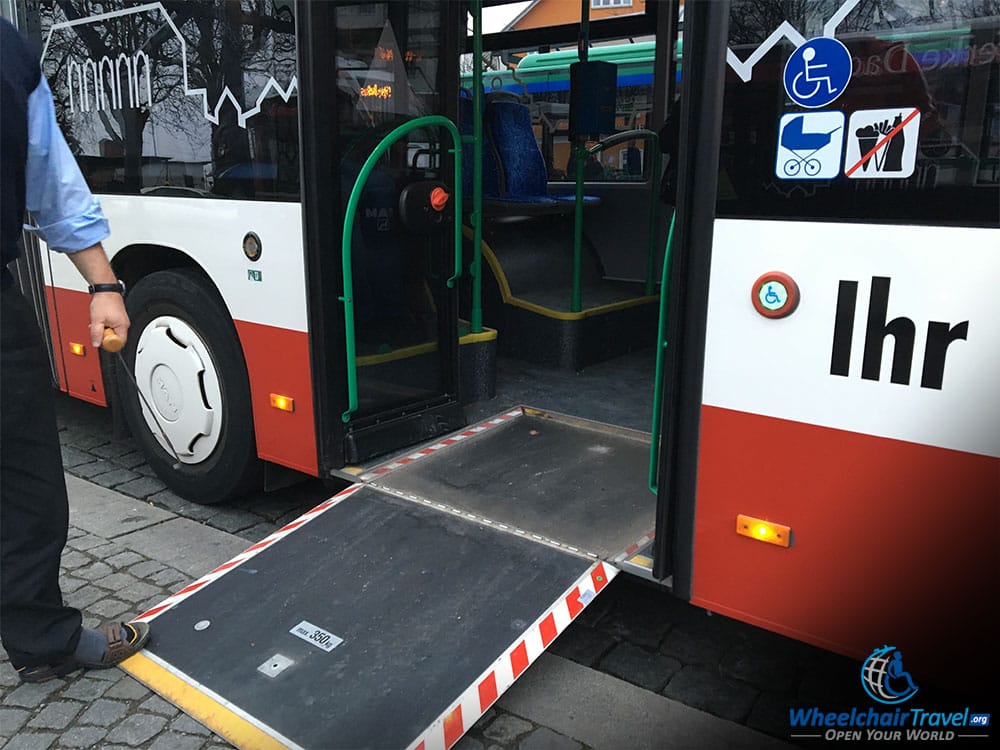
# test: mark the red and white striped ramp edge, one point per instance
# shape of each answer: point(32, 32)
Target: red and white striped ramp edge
point(380, 471)
point(635, 547)
point(449, 727)
point(248, 553)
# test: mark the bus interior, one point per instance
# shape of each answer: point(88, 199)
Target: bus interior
point(574, 342)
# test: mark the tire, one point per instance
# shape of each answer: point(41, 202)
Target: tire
point(186, 359)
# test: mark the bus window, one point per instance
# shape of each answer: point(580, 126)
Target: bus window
point(541, 80)
point(944, 63)
point(199, 104)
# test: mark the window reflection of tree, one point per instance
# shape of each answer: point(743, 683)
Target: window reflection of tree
point(231, 44)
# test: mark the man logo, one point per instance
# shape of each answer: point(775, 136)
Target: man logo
point(883, 676)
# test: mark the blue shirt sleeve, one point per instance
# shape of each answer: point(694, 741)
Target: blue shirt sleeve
point(69, 217)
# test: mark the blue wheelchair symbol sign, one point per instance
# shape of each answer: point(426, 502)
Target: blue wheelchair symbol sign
point(818, 72)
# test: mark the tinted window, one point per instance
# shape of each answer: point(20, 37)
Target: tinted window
point(199, 100)
point(940, 58)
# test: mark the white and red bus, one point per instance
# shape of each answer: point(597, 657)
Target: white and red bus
point(826, 459)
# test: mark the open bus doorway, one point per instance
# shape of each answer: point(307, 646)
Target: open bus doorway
point(587, 351)
point(562, 451)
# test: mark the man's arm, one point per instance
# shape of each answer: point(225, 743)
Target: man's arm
point(69, 217)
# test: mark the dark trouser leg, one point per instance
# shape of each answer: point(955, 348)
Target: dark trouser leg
point(34, 513)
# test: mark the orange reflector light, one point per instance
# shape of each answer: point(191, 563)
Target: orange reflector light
point(285, 403)
point(764, 531)
point(78, 349)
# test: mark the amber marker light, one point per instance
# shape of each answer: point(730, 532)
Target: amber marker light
point(764, 531)
point(285, 403)
point(78, 349)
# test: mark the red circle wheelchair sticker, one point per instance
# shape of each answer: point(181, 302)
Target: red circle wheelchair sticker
point(775, 295)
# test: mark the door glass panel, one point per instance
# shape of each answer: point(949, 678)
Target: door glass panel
point(388, 73)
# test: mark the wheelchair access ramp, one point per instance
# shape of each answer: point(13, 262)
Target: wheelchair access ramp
point(370, 621)
point(572, 483)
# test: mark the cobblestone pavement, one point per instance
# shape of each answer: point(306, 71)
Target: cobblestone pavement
point(634, 632)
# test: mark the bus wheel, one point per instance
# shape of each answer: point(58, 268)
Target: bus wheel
point(191, 415)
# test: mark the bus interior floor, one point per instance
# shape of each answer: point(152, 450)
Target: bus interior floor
point(617, 392)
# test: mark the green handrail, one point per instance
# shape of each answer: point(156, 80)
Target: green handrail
point(345, 241)
point(661, 345)
point(654, 204)
point(580, 154)
point(476, 218)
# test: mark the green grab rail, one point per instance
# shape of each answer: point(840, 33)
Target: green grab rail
point(654, 205)
point(345, 241)
point(661, 345)
point(476, 218)
point(580, 149)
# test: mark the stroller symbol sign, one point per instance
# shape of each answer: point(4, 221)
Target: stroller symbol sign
point(810, 145)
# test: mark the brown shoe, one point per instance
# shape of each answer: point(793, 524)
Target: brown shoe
point(117, 651)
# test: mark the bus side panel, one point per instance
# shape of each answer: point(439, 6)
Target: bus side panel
point(887, 472)
point(892, 542)
point(69, 323)
point(56, 337)
point(266, 298)
point(278, 363)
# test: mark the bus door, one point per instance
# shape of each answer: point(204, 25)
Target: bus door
point(831, 445)
point(380, 213)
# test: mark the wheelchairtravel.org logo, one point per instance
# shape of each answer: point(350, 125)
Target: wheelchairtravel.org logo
point(885, 680)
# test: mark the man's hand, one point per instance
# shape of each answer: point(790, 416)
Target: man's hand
point(107, 310)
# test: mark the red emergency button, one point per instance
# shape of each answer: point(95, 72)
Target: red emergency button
point(439, 198)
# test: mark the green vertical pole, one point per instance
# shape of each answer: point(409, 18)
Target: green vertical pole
point(661, 345)
point(580, 148)
point(476, 265)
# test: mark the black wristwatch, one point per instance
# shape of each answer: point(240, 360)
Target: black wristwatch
point(118, 286)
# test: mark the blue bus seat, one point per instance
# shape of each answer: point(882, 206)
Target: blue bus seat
point(523, 175)
point(515, 180)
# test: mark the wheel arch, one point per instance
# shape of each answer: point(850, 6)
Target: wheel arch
point(134, 262)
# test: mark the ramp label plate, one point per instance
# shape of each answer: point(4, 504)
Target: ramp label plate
point(316, 636)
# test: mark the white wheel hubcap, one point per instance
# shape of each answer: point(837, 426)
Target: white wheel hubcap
point(178, 381)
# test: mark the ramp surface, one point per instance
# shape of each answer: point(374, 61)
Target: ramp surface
point(577, 483)
point(372, 621)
